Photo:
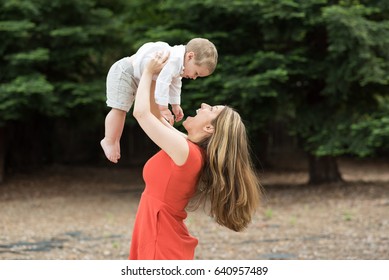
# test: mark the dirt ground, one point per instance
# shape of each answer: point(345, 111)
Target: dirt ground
point(87, 213)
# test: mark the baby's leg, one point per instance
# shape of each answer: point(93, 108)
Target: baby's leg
point(114, 124)
point(121, 89)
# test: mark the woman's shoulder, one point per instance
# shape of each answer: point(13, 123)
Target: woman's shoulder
point(195, 156)
point(193, 146)
point(196, 153)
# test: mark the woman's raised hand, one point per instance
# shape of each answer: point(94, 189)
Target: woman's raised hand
point(158, 62)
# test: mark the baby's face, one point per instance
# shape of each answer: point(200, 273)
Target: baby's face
point(191, 70)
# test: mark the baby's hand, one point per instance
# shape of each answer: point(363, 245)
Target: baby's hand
point(167, 115)
point(177, 111)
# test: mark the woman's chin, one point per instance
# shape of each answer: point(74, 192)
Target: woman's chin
point(187, 118)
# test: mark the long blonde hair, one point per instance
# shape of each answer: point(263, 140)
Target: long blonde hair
point(228, 180)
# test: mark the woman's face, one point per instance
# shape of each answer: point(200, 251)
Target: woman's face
point(204, 116)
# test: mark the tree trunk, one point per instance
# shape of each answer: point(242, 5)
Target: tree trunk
point(2, 154)
point(323, 170)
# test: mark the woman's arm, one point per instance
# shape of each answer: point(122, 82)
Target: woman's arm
point(165, 122)
point(173, 143)
point(157, 112)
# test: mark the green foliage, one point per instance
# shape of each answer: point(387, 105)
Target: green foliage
point(355, 71)
point(55, 55)
point(357, 48)
point(371, 131)
point(31, 91)
point(248, 76)
point(317, 64)
point(322, 66)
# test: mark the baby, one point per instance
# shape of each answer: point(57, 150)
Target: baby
point(198, 58)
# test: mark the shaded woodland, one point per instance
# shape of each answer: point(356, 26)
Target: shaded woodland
point(306, 76)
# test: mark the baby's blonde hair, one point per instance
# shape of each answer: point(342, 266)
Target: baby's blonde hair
point(205, 53)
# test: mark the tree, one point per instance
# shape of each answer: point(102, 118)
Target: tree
point(320, 65)
point(54, 57)
point(248, 75)
point(345, 88)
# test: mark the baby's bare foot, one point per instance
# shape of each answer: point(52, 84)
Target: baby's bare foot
point(110, 150)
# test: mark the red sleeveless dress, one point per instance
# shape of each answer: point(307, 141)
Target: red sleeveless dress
point(159, 230)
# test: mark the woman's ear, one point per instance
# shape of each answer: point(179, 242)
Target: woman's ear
point(209, 128)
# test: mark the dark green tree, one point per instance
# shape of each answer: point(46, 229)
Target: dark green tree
point(341, 95)
point(54, 56)
point(320, 65)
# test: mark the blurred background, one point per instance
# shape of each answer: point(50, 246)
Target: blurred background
point(310, 79)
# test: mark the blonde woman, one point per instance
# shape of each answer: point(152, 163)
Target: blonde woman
point(209, 163)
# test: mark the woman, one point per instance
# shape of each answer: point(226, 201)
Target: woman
point(211, 162)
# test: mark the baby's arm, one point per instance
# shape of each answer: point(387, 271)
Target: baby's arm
point(175, 98)
point(158, 110)
point(168, 90)
point(177, 111)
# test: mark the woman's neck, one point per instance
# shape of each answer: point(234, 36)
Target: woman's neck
point(196, 138)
